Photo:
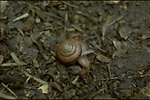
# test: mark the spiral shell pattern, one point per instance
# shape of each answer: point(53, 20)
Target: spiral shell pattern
point(69, 51)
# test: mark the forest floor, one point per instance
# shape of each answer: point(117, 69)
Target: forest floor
point(117, 31)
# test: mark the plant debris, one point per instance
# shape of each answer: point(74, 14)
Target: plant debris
point(117, 33)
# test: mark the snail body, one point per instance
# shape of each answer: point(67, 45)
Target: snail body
point(72, 50)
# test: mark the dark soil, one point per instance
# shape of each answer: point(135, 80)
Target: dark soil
point(117, 31)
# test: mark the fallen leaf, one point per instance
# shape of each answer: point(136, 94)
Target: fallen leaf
point(125, 31)
point(44, 88)
point(102, 58)
point(117, 44)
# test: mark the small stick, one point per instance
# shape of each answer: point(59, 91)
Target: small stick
point(69, 4)
point(107, 24)
point(12, 64)
point(109, 71)
point(35, 78)
point(96, 93)
point(75, 80)
point(116, 20)
point(21, 17)
point(9, 90)
point(6, 96)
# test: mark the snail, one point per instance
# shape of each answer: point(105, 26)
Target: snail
point(74, 50)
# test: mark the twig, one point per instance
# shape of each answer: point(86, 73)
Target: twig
point(75, 80)
point(21, 17)
point(52, 15)
point(6, 96)
point(65, 23)
point(77, 28)
point(95, 93)
point(85, 15)
point(9, 90)
point(12, 64)
point(56, 28)
point(16, 59)
point(112, 78)
point(35, 78)
point(69, 4)
point(109, 71)
point(1, 58)
point(20, 31)
point(97, 46)
point(107, 24)
point(53, 53)
point(17, 62)
point(116, 20)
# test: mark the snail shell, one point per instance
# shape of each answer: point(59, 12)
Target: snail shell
point(69, 50)
point(72, 50)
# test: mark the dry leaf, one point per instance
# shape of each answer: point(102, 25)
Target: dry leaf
point(44, 88)
point(117, 44)
point(102, 58)
point(35, 63)
point(146, 90)
point(125, 31)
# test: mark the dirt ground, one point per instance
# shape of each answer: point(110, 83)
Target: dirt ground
point(117, 31)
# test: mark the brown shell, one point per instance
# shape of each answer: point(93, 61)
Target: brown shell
point(69, 51)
